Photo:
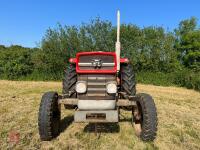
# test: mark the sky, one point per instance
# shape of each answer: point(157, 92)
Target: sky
point(24, 22)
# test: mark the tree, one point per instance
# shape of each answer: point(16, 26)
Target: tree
point(188, 43)
point(97, 36)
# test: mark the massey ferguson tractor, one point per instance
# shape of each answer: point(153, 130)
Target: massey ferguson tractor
point(97, 85)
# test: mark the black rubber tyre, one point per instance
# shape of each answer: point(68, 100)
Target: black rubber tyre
point(128, 81)
point(49, 116)
point(69, 83)
point(146, 126)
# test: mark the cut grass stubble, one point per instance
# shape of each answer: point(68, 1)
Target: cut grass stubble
point(178, 120)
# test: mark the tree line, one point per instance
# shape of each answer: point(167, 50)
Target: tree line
point(171, 56)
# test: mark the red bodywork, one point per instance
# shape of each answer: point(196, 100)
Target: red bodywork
point(114, 70)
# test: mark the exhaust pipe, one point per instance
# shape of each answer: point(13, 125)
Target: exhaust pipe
point(117, 44)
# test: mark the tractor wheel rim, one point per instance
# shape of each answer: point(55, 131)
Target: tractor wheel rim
point(138, 128)
point(138, 120)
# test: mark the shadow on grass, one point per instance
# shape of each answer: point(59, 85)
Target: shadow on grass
point(65, 123)
point(102, 128)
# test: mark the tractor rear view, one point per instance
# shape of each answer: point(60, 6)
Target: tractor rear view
point(97, 85)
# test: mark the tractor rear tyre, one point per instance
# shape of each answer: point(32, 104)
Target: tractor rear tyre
point(128, 82)
point(69, 84)
point(145, 116)
point(49, 116)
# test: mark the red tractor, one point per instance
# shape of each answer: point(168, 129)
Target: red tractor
point(97, 85)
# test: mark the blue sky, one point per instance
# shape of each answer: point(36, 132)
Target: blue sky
point(24, 22)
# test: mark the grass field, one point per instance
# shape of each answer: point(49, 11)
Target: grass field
point(178, 116)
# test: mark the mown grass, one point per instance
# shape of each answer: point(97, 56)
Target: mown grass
point(178, 115)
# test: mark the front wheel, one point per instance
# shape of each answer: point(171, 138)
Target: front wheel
point(49, 116)
point(145, 117)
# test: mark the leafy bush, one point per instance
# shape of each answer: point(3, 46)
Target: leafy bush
point(184, 78)
point(15, 62)
point(155, 78)
point(187, 79)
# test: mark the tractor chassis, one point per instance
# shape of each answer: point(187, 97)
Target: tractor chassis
point(97, 116)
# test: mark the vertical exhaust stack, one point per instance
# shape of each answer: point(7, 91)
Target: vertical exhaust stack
point(117, 44)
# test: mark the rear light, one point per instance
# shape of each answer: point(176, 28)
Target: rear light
point(72, 60)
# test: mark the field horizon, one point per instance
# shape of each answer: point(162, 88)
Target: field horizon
point(178, 120)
